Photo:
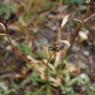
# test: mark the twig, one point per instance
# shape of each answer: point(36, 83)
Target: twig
point(59, 37)
point(16, 50)
point(73, 40)
point(85, 20)
point(77, 31)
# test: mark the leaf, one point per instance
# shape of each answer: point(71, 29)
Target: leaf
point(41, 55)
point(25, 49)
point(74, 1)
point(6, 10)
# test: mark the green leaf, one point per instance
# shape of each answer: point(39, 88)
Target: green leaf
point(73, 1)
point(41, 55)
point(25, 49)
point(6, 10)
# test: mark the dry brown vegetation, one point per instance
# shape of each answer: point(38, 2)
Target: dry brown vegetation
point(47, 47)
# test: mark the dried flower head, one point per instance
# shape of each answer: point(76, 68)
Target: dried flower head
point(2, 27)
point(64, 20)
point(57, 46)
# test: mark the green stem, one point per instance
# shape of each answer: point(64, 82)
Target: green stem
point(47, 75)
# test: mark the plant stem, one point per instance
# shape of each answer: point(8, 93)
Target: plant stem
point(73, 40)
point(76, 33)
point(47, 76)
